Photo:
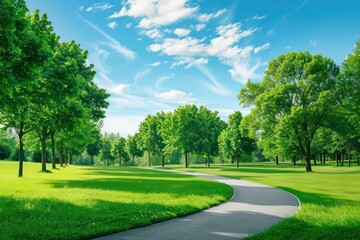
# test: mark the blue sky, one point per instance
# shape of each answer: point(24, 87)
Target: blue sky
point(154, 55)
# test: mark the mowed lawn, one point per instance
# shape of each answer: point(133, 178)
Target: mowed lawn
point(85, 202)
point(330, 198)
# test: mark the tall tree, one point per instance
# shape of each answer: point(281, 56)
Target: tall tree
point(293, 100)
point(23, 54)
point(148, 135)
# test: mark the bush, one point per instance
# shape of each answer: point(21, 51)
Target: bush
point(5, 151)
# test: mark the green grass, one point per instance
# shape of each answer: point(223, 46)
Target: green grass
point(330, 198)
point(86, 202)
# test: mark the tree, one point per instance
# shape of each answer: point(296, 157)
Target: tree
point(23, 54)
point(183, 130)
point(211, 127)
point(159, 140)
point(293, 100)
point(132, 147)
point(118, 149)
point(105, 153)
point(234, 141)
point(148, 136)
point(93, 149)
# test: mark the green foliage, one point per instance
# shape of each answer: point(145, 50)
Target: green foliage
point(106, 154)
point(37, 156)
point(118, 150)
point(91, 202)
point(294, 100)
point(5, 151)
point(132, 147)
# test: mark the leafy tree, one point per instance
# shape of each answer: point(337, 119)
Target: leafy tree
point(132, 147)
point(93, 149)
point(23, 54)
point(118, 150)
point(148, 136)
point(293, 101)
point(106, 154)
point(233, 142)
point(5, 151)
point(211, 127)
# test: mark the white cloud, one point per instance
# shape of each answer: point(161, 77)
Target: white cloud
point(261, 48)
point(81, 8)
point(221, 46)
point(288, 47)
point(207, 17)
point(140, 75)
point(112, 25)
point(175, 96)
point(189, 62)
point(155, 64)
point(313, 43)
point(128, 25)
point(99, 7)
point(242, 72)
point(182, 32)
point(120, 89)
point(113, 43)
point(200, 26)
point(153, 33)
point(162, 79)
point(257, 18)
point(155, 13)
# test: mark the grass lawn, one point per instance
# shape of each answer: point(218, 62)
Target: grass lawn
point(85, 202)
point(330, 198)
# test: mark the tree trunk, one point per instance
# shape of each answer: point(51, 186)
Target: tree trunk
point(307, 159)
point(324, 156)
point(186, 160)
point(208, 159)
point(61, 150)
point(315, 159)
point(294, 160)
point(53, 149)
point(119, 162)
point(321, 158)
point(163, 160)
point(342, 157)
point(92, 160)
point(43, 148)
point(21, 150)
point(70, 156)
point(349, 156)
point(237, 162)
point(133, 161)
point(277, 160)
point(66, 156)
point(149, 159)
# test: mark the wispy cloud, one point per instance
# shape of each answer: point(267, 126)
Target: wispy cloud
point(120, 89)
point(258, 18)
point(112, 25)
point(215, 86)
point(261, 48)
point(116, 45)
point(313, 43)
point(163, 79)
point(99, 7)
point(140, 75)
point(301, 6)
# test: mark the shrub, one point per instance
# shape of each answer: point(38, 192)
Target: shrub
point(5, 151)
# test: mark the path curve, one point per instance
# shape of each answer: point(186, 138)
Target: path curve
point(253, 208)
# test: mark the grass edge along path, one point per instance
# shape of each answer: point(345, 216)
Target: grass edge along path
point(330, 198)
point(87, 202)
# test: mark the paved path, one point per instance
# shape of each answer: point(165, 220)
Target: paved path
point(252, 209)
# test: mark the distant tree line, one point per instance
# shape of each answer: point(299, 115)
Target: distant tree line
point(47, 93)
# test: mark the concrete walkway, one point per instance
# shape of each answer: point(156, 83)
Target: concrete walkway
point(252, 209)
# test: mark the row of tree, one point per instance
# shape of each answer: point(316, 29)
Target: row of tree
point(47, 86)
point(306, 106)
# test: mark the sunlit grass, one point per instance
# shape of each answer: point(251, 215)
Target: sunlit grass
point(85, 202)
point(330, 198)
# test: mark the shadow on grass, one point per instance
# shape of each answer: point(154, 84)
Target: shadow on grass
point(319, 199)
point(175, 186)
point(54, 219)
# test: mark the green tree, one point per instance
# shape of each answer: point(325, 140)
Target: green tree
point(118, 150)
point(294, 100)
point(106, 154)
point(93, 149)
point(233, 141)
point(148, 135)
point(132, 147)
point(211, 127)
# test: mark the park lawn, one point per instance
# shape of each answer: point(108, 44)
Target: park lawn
point(330, 198)
point(86, 202)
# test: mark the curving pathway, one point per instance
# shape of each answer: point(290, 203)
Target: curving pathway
point(253, 208)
